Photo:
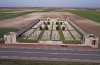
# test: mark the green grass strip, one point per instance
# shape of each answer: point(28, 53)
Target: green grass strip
point(89, 14)
point(71, 42)
point(41, 34)
point(51, 30)
point(61, 33)
point(28, 41)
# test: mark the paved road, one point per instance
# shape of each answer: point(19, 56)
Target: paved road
point(50, 54)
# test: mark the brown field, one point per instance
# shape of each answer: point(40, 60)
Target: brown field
point(22, 21)
point(19, 22)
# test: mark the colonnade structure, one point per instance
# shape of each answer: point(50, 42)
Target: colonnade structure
point(69, 32)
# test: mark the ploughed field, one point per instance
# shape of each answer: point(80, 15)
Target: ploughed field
point(52, 30)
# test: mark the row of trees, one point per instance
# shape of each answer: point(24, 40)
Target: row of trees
point(57, 28)
point(46, 28)
point(56, 23)
point(47, 23)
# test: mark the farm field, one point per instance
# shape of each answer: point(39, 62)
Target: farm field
point(88, 20)
point(11, 19)
point(88, 14)
point(11, 13)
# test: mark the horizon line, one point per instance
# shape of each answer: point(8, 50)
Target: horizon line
point(57, 7)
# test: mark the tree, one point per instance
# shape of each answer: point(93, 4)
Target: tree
point(57, 23)
point(57, 28)
point(40, 28)
point(46, 28)
point(63, 28)
point(48, 23)
point(44, 23)
point(60, 23)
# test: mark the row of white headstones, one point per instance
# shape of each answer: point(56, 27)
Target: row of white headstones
point(69, 31)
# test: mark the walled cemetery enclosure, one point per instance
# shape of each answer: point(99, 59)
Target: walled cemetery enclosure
point(51, 29)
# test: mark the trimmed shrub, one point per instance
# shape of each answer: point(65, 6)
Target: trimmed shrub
point(63, 28)
point(60, 23)
point(44, 23)
point(57, 28)
point(40, 28)
point(46, 28)
point(48, 23)
point(57, 23)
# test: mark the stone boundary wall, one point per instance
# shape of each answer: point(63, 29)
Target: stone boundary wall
point(80, 29)
point(21, 31)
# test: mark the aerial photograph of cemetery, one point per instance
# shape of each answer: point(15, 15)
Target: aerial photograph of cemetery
point(48, 33)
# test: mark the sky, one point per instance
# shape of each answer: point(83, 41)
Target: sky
point(50, 3)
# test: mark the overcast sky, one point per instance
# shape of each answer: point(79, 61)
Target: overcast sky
point(50, 3)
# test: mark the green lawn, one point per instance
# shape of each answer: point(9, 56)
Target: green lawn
point(28, 41)
point(89, 14)
point(41, 34)
point(61, 33)
point(4, 31)
point(23, 62)
point(71, 42)
point(51, 31)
